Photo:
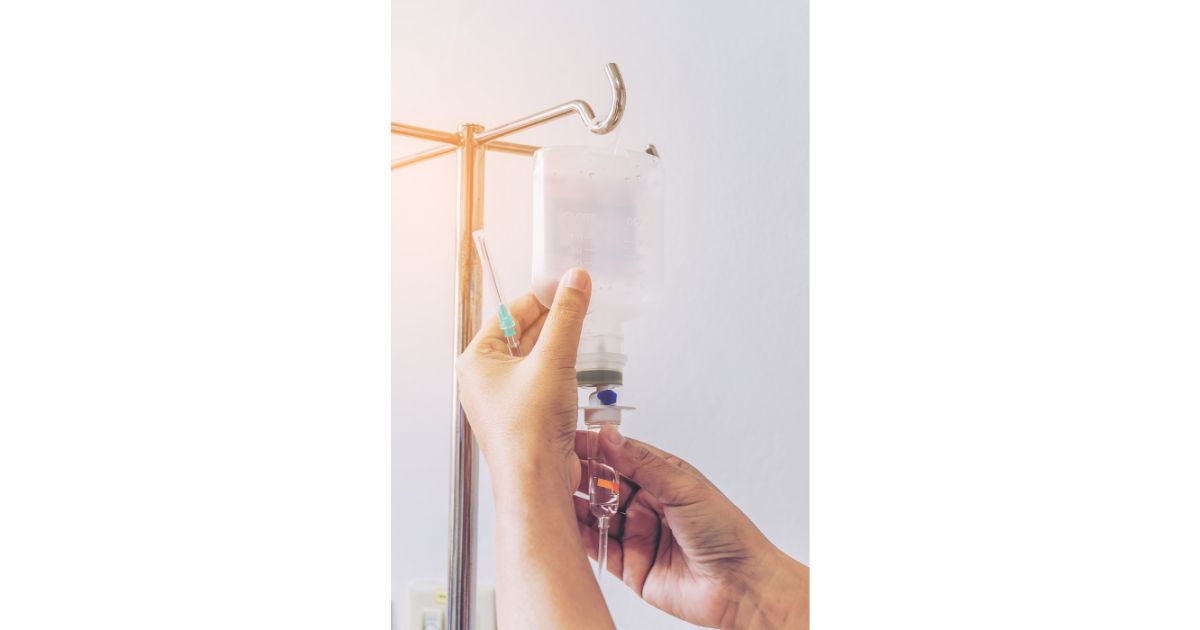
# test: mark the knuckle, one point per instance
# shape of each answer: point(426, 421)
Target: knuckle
point(561, 363)
point(570, 306)
point(639, 454)
point(557, 365)
point(679, 463)
point(482, 349)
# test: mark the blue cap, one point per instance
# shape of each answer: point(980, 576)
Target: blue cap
point(606, 396)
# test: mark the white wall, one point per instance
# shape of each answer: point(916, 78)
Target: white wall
point(720, 372)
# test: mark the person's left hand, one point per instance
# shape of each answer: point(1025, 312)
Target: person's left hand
point(685, 548)
point(523, 409)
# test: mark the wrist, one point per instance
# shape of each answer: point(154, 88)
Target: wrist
point(775, 595)
point(524, 472)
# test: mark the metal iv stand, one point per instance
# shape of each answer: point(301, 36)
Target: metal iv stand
point(471, 143)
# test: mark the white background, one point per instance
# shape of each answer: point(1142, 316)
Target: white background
point(1006, 297)
point(718, 372)
point(193, 315)
point(194, 328)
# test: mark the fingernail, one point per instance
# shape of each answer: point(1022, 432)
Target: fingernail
point(612, 436)
point(577, 279)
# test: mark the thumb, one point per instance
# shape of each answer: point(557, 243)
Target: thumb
point(662, 474)
point(559, 339)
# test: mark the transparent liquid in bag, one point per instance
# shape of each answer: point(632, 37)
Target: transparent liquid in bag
point(603, 211)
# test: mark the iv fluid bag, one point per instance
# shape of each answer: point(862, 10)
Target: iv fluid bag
point(603, 211)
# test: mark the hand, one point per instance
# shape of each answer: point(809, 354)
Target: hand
point(523, 409)
point(686, 549)
point(523, 412)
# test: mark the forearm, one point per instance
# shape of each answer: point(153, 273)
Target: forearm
point(544, 580)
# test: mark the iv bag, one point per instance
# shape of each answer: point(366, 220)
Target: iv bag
point(603, 211)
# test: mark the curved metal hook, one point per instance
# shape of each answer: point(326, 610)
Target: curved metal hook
point(595, 125)
point(617, 109)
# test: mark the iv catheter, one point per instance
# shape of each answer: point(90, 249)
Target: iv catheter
point(507, 325)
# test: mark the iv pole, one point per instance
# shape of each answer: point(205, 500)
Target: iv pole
point(471, 143)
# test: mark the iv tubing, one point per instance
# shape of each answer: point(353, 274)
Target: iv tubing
point(602, 554)
point(598, 471)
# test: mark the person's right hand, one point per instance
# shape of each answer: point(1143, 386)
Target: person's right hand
point(686, 549)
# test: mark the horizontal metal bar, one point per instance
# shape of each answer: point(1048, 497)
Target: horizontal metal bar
point(573, 107)
point(502, 147)
point(512, 147)
point(422, 156)
point(411, 131)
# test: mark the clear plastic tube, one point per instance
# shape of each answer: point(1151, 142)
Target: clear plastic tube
point(604, 494)
point(602, 553)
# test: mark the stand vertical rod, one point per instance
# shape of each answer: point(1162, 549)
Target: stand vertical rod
point(468, 302)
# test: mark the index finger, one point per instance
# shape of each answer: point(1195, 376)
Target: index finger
point(626, 488)
point(524, 310)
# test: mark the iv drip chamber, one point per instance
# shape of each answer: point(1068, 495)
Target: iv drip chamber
point(601, 210)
